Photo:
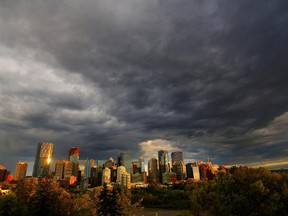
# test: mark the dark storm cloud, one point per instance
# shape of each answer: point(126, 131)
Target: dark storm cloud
point(202, 74)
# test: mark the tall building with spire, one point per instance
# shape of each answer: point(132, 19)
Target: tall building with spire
point(43, 159)
point(20, 170)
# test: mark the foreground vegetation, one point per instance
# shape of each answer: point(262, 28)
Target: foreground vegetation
point(244, 191)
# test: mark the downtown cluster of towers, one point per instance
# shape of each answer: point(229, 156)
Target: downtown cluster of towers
point(123, 172)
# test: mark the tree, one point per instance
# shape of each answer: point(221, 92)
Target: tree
point(109, 203)
point(10, 205)
point(83, 205)
point(49, 199)
point(25, 189)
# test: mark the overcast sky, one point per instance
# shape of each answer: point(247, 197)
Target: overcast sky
point(204, 77)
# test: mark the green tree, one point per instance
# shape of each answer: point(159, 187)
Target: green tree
point(10, 205)
point(25, 189)
point(83, 205)
point(49, 199)
point(109, 203)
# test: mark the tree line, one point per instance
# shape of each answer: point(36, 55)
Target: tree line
point(241, 191)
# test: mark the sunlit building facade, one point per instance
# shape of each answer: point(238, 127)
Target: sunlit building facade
point(125, 180)
point(20, 170)
point(120, 170)
point(193, 171)
point(142, 164)
point(180, 169)
point(109, 163)
point(106, 176)
point(68, 169)
point(74, 154)
point(43, 159)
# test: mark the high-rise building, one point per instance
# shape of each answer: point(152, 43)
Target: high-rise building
point(120, 171)
point(74, 154)
point(176, 157)
point(109, 163)
point(196, 172)
point(141, 162)
point(96, 176)
point(136, 167)
point(3, 173)
point(85, 167)
point(153, 171)
point(88, 165)
point(43, 159)
point(125, 160)
point(193, 171)
point(163, 163)
point(125, 180)
point(100, 163)
point(68, 169)
point(180, 169)
point(106, 175)
point(178, 166)
point(20, 170)
point(113, 173)
point(59, 169)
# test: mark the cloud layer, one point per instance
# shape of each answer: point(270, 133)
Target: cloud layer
point(208, 77)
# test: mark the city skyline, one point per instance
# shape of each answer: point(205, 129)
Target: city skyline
point(48, 163)
point(44, 157)
point(204, 78)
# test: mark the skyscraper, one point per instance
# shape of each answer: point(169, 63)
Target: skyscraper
point(20, 170)
point(68, 169)
point(153, 171)
point(109, 163)
point(125, 160)
point(96, 176)
point(163, 163)
point(180, 169)
point(74, 154)
point(85, 167)
point(176, 157)
point(193, 171)
point(106, 175)
point(3, 173)
point(125, 180)
point(43, 159)
point(59, 169)
point(120, 171)
point(178, 165)
point(141, 162)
